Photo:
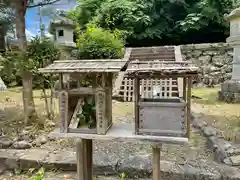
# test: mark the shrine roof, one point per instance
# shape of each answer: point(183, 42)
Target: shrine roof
point(161, 68)
point(96, 65)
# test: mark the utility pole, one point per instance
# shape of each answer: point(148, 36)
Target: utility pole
point(42, 27)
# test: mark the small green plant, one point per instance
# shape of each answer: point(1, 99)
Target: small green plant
point(38, 175)
point(123, 176)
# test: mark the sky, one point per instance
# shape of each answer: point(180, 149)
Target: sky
point(33, 19)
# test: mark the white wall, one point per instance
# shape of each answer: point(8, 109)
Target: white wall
point(67, 36)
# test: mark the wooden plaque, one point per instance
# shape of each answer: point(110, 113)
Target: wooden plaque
point(63, 111)
point(164, 117)
point(101, 113)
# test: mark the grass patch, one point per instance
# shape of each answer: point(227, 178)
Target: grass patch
point(12, 107)
point(223, 116)
point(207, 95)
point(13, 123)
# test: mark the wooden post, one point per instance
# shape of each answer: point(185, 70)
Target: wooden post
point(63, 106)
point(156, 162)
point(109, 98)
point(136, 101)
point(101, 107)
point(184, 88)
point(189, 105)
point(84, 159)
point(89, 159)
point(94, 80)
point(80, 160)
point(61, 81)
point(63, 111)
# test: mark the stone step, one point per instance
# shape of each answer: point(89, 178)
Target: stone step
point(159, 49)
point(136, 165)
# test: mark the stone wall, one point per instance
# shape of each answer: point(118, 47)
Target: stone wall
point(214, 61)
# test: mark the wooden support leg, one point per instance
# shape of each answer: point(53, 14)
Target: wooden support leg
point(84, 159)
point(189, 105)
point(156, 162)
point(89, 158)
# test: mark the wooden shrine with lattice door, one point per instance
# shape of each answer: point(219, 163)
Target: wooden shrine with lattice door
point(162, 115)
point(158, 115)
point(168, 87)
point(86, 95)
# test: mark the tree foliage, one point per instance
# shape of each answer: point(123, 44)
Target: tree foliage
point(20, 8)
point(97, 43)
point(206, 12)
point(40, 52)
point(7, 18)
point(155, 22)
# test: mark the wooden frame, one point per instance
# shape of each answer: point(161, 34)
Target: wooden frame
point(84, 158)
point(102, 92)
point(158, 70)
point(63, 110)
point(121, 132)
point(103, 97)
point(186, 98)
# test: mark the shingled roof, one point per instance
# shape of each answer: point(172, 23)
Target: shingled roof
point(96, 65)
point(60, 22)
point(161, 68)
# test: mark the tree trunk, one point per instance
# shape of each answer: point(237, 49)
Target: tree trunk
point(46, 104)
point(2, 39)
point(28, 102)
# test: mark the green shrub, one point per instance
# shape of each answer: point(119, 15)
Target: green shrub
point(40, 52)
point(9, 72)
point(97, 43)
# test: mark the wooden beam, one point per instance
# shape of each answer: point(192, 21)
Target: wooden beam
point(101, 107)
point(109, 98)
point(136, 102)
point(84, 159)
point(184, 88)
point(63, 111)
point(178, 59)
point(94, 80)
point(157, 132)
point(89, 159)
point(147, 75)
point(156, 162)
point(122, 132)
point(60, 81)
point(90, 60)
point(189, 105)
point(81, 173)
point(75, 121)
point(84, 90)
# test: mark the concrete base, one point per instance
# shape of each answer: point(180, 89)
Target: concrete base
point(230, 91)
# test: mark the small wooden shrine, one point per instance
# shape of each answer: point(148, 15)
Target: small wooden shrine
point(86, 96)
point(158, 116)
point(86, 103)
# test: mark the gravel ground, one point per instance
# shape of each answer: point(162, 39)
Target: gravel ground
point(195, 150)
point(123, 112)
point(57, 176)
